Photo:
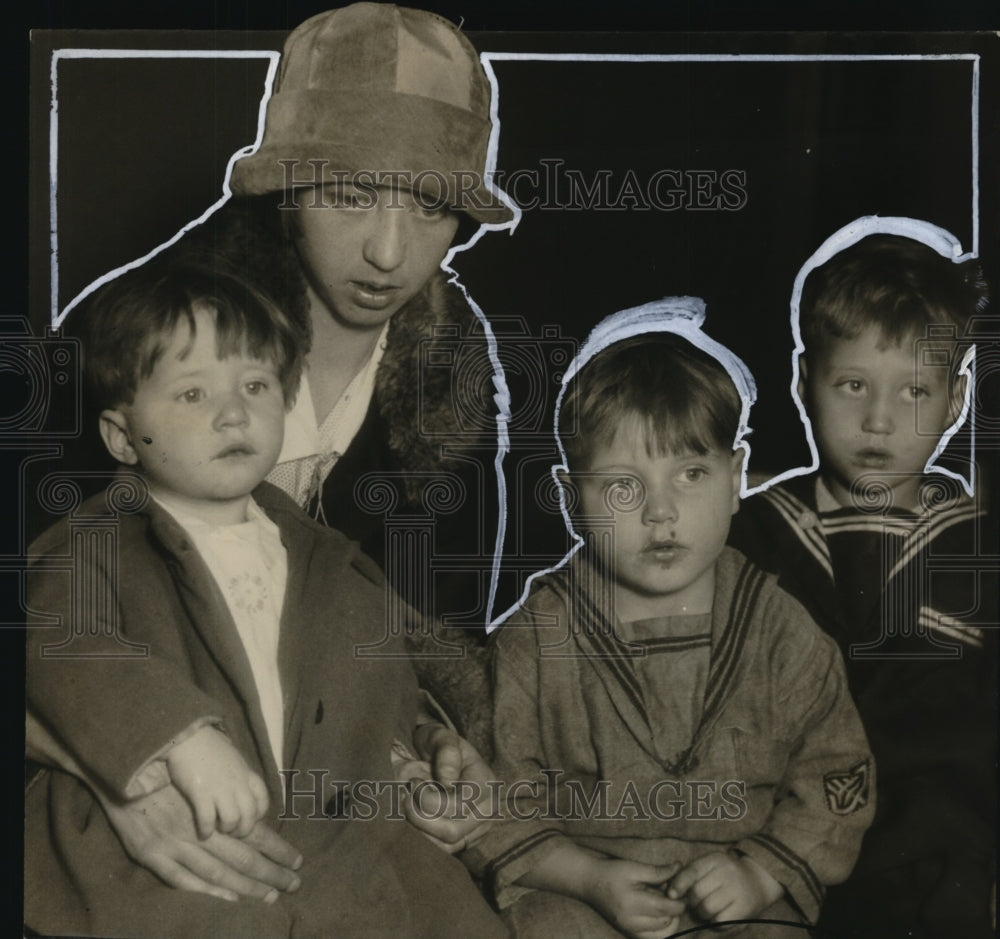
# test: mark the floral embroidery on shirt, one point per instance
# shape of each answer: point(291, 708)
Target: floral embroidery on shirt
point(248, 592)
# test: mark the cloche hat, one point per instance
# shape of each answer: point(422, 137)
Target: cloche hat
point(382, 94)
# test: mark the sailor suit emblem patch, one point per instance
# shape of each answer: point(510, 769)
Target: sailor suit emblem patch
point(846, 792)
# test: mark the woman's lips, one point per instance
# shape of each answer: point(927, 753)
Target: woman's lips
point(373, 296)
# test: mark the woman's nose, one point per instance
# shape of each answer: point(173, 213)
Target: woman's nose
point(385, 242)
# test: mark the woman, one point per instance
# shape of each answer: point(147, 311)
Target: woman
point(371, 167)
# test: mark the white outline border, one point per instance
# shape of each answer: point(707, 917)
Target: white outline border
point(945, 244)
point(488, 58)
point(59, 55)
point(681, 316)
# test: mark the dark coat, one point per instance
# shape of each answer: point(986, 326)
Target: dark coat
point(900, 594)
point(342, 712)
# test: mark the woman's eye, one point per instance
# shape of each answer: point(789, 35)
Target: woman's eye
point(431, 213)
point(192, 395)
point(852, 386)
point(915, 391)
point(695, 474)
point(350, 199)
point(256, 387)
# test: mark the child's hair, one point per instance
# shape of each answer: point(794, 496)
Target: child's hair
point(896, 285)
point(683, 398)
point(129, 322)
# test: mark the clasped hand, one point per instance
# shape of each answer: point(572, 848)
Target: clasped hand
point(161, 831)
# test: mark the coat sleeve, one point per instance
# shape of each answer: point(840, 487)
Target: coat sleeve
point(523, 836)
point(116, 708)
point(826, 800)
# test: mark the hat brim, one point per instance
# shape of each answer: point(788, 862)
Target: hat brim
point(416, 143)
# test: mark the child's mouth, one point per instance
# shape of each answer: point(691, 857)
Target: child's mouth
point(664, 552)
point(873, 458)
point(236, 450)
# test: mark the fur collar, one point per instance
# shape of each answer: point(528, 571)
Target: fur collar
point(434, 388)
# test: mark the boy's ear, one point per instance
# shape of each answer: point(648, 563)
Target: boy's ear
point(958, 388)
point(739, 458)
point(566, 482)
point(116, 436)
point(801, 386)
point(570, 492)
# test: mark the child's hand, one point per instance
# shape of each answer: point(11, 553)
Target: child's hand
point(631, 895)
point(456, 812)
point(721, 887)
point(217, 782)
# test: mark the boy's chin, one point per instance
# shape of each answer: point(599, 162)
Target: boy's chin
point(876, 492)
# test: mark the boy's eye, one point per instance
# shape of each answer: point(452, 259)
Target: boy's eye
point(853, 386)
point(256, 387)
point(192, 395)
point(622, 493)
point(694, 474)
point(914, 392)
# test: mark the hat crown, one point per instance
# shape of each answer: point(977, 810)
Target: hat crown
point(380, 48)
point(373, 88)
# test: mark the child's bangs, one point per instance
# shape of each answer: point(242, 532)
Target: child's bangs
point(686, 403)
point(659, 390)
point(897, 319)
point(247, 326)
point(690, 424)
point(163, 327)
point(239, 332)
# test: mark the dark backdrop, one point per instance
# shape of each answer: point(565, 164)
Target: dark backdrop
point(758, 162)
point(144, 146)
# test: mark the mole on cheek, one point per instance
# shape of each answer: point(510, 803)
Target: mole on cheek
point(147, 440)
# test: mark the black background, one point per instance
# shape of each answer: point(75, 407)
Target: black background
point(143, 145)
point(145, 148)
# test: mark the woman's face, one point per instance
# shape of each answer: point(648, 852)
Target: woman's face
point(367, 251)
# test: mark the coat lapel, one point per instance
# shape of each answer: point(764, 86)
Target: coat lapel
point(292, 645)
point(210, 618)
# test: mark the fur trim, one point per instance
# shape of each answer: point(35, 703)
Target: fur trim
point(434, 387)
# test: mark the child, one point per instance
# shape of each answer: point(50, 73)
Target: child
point(246, 616)
point(694, 754)
point(884, 555)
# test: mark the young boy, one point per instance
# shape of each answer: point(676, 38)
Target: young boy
point(693, 752)
point(212, 647)
point(884, 556)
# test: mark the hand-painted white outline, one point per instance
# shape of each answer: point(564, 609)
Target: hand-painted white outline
point(57, 56)
point(490, 57)
point(683, 316)
point(502, 396)
point(945, 244)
